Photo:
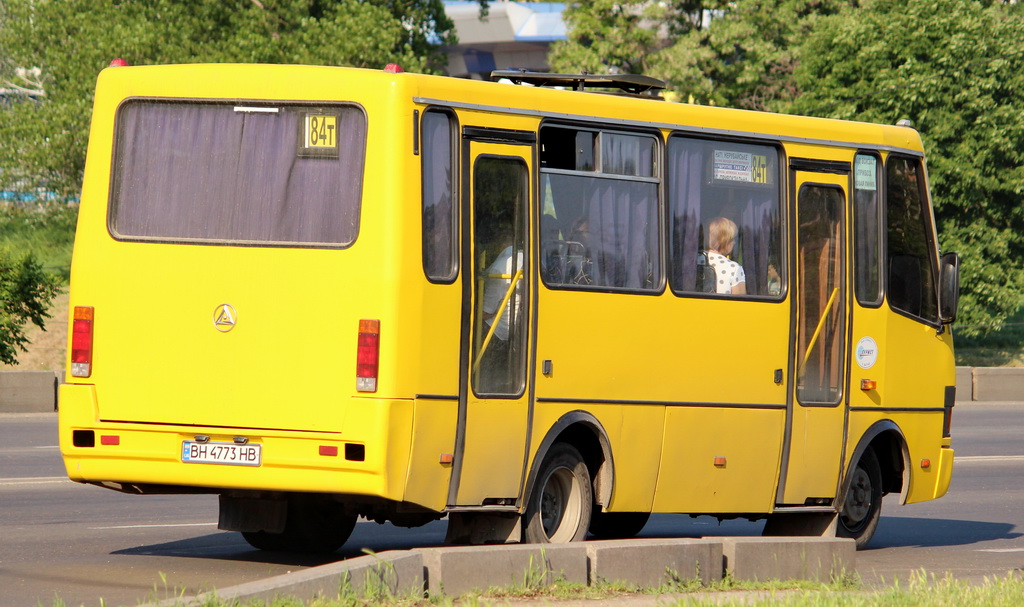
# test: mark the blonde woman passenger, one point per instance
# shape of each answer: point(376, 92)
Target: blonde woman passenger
point(729, 275)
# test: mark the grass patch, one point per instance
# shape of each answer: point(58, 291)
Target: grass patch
point(47, 230)
point(919, 590)
point(1002, 348)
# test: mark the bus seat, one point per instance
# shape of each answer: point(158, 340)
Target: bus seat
point(705, 274)
point(564, 262)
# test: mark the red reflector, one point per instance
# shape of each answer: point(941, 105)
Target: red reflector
point(81, 341)
point(367, 355)
point(393, 68)
point(329, 450)
point(118, 63)
point(110, 440)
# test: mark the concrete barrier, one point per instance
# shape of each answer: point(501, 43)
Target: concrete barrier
point(964, 383)
point(998, 384)
point(389, 574)
point(458, 570)
point(649, 563)
point(28, 391)
point(453, 571)
point(819, 559)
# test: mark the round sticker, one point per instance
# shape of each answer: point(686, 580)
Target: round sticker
point(867, 353)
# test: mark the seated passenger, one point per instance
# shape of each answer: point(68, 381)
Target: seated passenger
point(721, 239)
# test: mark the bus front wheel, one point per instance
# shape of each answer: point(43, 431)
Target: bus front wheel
point(313, 525)
point(560, 504)
point(862, 505)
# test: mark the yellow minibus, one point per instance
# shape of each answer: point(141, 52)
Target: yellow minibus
point(540, 311)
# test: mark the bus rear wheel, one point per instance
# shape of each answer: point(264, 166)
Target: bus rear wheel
point(561, 501)
point(312, 526)
point(862, 504)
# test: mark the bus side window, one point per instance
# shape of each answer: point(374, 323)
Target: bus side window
point(911, 273)
point(440, 249)
point(599, 209)
point(725, 195)
point(867, 231)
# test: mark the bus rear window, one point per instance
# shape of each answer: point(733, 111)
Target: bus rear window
point(238, 174)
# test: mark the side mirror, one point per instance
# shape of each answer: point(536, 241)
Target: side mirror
point(949, 287)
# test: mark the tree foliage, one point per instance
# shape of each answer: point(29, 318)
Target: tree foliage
point(25, 294)
point(956, 69)
point(42, 143)
point(737, 53)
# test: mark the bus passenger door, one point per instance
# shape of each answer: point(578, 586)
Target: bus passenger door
point(817, 411)
point(490, 451)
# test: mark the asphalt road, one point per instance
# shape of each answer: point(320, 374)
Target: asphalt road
point(83, 544)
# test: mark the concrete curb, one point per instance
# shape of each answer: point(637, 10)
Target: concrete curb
point(393, 573)
point(644, 563)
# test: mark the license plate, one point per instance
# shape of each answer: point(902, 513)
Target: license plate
point(221, 453)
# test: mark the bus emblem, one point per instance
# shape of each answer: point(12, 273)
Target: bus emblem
point(224, 318)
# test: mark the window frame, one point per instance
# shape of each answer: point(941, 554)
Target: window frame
point(657, 179)
point(839, 364)
point(881, 227)
point(930, 235)
point(453, 127)
point(113, 191)
point(782, 234)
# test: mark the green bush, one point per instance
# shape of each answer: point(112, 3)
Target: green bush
point(26, 291)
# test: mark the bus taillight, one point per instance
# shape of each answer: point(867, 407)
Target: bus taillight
point(368, 355)
point(81, 342)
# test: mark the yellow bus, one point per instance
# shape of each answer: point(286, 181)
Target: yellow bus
point(539, 311)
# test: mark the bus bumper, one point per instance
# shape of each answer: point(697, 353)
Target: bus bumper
point(142, 458)
point(945, 471)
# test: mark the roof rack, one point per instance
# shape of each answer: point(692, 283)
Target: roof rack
point(634, 84)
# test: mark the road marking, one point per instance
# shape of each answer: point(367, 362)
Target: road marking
point(966, 459)
point(155, 526)
point(21, 450)
point(34, 480)
point(1001, 550)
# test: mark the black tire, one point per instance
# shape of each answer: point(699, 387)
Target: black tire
point(862, 504)
point(560, 503)
point(313, 526)
point(617, 525)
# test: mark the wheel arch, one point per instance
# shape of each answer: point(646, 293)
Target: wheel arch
point(890, 446)
point(584, 432)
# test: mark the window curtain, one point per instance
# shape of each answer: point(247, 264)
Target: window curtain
point(208, 172)
point(684, 195)
point(757, 224)
point(623, 247)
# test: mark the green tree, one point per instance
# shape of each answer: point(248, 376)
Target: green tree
point(621, 36)
point(736, 53)
point(42, 143)
point(956, 69)
point(25, 294)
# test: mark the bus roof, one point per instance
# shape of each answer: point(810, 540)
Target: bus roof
point(303, 82)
